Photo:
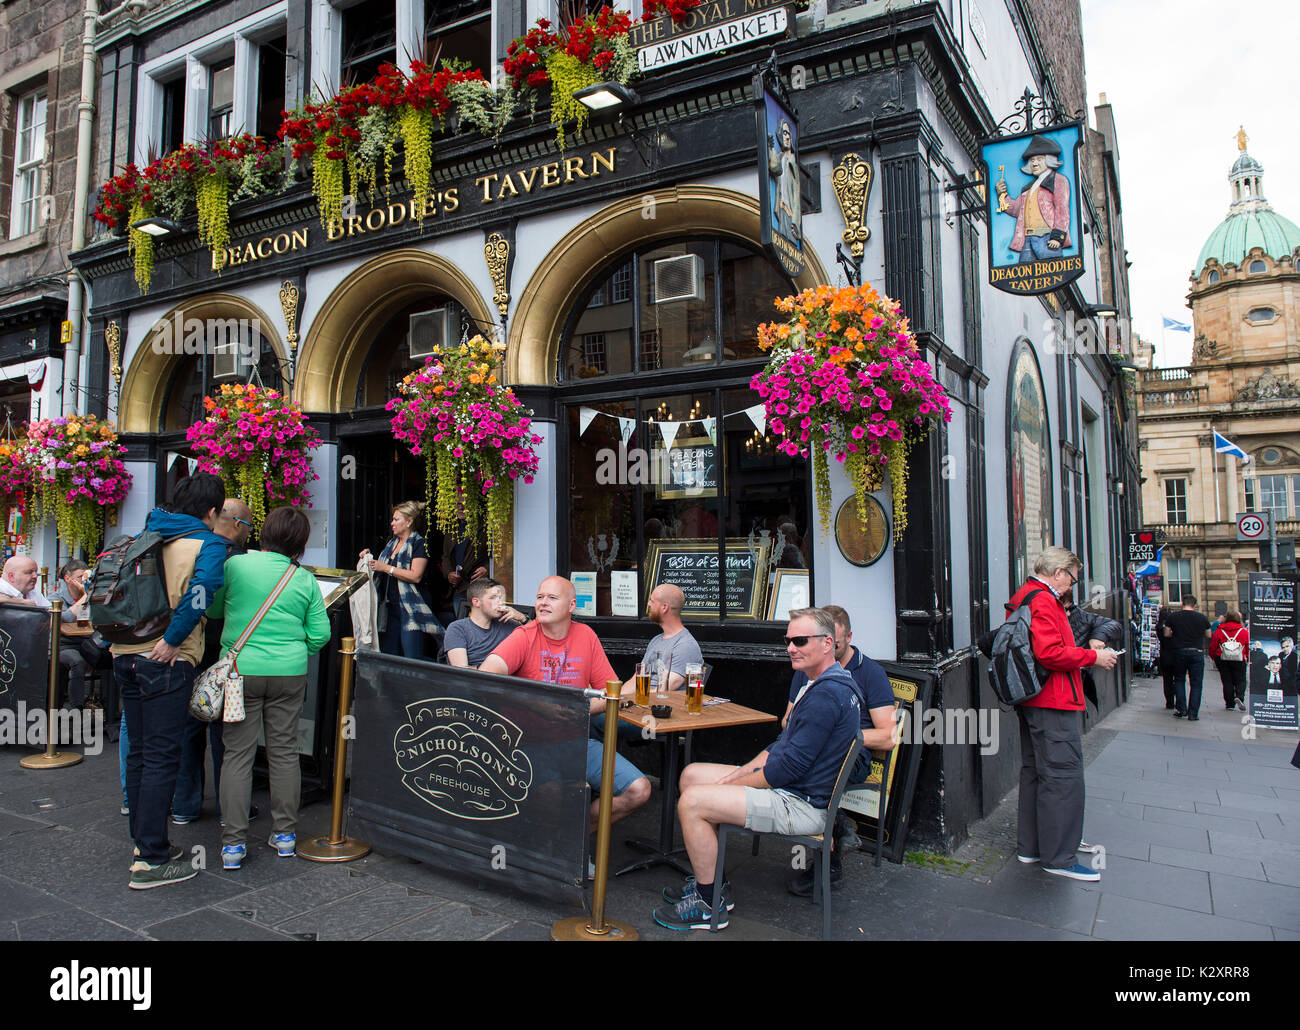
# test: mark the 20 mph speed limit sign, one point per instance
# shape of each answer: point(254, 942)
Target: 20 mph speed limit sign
point(1252, 527)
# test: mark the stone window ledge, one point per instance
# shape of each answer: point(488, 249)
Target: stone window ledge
point(24, 243)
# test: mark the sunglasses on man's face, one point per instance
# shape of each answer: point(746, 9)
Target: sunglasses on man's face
point(803, 641)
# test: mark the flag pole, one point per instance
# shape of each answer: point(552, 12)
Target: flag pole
point(1218, 515)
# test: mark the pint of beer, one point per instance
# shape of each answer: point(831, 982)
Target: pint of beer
point(694, 689)
point(642, 681)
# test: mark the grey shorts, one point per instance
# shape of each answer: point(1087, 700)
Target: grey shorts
point(777, 811)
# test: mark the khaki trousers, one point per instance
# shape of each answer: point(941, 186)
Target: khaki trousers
point(273, 702)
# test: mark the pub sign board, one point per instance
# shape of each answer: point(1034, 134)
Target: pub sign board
point(480, 773)
point(779, 178)
point(1035, 228)
point(692, 565)
point(24, 656)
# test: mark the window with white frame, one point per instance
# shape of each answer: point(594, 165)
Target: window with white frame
point(593, 351)
point(1178, 579)
point(1279, 494)
point(224, 83)
point(620, 285)
point(1176, 502)
point(29, 156)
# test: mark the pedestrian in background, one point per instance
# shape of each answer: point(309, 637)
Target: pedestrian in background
point(403, 617)
point(1186, 631)
point(1231, 662)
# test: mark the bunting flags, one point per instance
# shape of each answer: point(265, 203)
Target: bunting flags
point(585, 415)
point(669, 432)
point(625, 428)
point(758, 415)
point(711, 427)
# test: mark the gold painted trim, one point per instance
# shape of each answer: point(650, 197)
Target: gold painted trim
point(533, 352)
point(497, 252)
point(851, 180)
point(289, 305)
point(335, 345)
point(113, 338)
point(148, 374)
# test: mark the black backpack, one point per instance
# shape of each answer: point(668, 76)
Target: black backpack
point(1014, 673)
point(128, 589)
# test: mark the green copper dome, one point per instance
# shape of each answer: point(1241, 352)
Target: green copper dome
point(1251, 221)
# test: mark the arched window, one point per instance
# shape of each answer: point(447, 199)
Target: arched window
point(668, 459)
point(231, 361)
point(1256, 267)
point(1029, 481)
point(404, 343)
point(1214, 277)
point(685, 304)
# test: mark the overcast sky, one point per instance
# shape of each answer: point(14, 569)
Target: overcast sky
point(1181, 79)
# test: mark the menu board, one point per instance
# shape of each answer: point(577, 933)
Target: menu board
point(692, 564)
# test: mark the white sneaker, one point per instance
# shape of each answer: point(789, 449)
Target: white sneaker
point(1026, 859)
point(1085, 848)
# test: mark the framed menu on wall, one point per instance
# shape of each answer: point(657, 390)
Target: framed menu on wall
point(692, 565)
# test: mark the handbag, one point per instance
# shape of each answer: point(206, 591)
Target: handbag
point(219, 689)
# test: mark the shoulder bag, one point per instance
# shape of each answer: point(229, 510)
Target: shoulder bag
point(219, 690)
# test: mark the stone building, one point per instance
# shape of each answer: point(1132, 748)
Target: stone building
point(906, 90)
point(1244, 382)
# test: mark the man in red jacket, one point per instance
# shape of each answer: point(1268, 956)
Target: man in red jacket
point(1051, 771)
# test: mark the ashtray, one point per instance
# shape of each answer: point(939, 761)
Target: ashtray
point(661, 711)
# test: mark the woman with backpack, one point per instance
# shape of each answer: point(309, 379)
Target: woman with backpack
point(403, 616)
point(1228, 648)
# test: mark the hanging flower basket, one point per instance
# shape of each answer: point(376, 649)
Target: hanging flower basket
point(79, 475)
point(473, 433)
point(846, 380)
point(258, 442)
point(17, 478)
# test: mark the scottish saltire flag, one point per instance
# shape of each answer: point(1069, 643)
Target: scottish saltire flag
point(1151, 568)
point(1178, 327)
point(1222, 445)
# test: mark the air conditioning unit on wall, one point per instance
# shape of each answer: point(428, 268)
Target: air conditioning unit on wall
point(679, 278)
point(434, 328)
point(226, 363)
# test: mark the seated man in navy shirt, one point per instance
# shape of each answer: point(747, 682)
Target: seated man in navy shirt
point(784, 789)
point(879, 726)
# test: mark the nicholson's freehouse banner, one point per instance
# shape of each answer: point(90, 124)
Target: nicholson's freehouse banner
point(1035, 229)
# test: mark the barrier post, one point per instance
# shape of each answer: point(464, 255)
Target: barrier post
point(336, 847)
point(52, 759)
point(597, 928)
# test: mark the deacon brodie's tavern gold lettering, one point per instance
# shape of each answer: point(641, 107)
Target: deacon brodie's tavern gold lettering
point(488, 189)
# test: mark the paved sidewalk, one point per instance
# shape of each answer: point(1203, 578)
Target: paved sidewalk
point(1201, 830)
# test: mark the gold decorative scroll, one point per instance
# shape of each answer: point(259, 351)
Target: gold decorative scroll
point(497, 252)
point(851, 180)
point(113, 337)
point(289, 304)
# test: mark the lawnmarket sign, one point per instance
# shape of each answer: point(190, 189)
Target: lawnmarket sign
point(706, 30)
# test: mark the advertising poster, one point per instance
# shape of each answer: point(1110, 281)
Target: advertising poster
point(1034, 224)
point(1272, 662)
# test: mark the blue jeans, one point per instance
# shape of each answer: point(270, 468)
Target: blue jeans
point(409, 643)
point(1189, 665)
point(155, 700)
point(188, 800)
point(1036, 249)
point(123, 749)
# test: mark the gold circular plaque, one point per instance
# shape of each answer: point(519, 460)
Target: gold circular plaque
point(862, 546)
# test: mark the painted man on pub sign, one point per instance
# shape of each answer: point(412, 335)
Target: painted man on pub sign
point(1042, 211)
point(1032, 249)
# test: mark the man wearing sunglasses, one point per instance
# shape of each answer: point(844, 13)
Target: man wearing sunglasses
point(1051, 749)
point(784, 789)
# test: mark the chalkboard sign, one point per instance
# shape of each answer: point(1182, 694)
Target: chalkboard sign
point(692, 564)
point(24, 655)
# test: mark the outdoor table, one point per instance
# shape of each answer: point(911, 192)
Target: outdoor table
point(713, 717)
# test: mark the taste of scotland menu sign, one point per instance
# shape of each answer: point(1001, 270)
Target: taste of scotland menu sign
point(692, 565)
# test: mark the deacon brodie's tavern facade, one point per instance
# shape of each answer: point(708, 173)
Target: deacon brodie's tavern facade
point(598, 339)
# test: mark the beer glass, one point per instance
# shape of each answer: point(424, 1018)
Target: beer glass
point(642, 683)
point(659, 676)
point(694, 688)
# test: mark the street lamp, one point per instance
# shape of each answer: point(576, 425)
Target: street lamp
point(156, 226)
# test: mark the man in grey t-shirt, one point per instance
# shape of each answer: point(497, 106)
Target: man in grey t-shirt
point(674, 644)
point(470, 640)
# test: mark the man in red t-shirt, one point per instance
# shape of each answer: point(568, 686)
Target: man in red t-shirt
point(555, 649)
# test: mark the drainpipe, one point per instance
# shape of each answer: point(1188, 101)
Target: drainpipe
point(85, 126)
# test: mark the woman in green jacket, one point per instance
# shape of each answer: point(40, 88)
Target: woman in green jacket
point(273, 663)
